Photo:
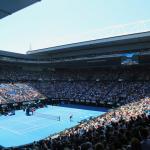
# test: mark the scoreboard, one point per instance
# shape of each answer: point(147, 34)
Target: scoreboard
point(130, 59)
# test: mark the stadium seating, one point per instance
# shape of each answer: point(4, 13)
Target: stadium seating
point(124, 128)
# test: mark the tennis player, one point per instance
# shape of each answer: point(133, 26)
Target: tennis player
point(70, 117)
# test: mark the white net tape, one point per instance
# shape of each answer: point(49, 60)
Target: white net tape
point(47, 116)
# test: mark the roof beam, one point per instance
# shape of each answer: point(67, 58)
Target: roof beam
point(8, 7)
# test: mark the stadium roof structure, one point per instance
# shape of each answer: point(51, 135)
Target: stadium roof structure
point(104, 42)
point(105, 50)
point(8, 7)
point(118, 33)
point(94, 53)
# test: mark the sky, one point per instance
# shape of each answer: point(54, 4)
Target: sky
point(57, 22)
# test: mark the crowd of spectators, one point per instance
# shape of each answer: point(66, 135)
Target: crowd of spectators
point(124, 128)
point(18, 92)
point(15, 75)
point(121, 92)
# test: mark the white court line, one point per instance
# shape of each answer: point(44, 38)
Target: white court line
point(25, 130)
point(35, 127)
point(28, 122)
point(28, 130)
point(12, 131)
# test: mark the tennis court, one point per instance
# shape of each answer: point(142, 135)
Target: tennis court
point(21, 129)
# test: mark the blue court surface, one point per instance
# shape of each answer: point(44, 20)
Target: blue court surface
point(21, 129)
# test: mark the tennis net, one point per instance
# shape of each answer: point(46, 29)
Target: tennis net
point(47, 116)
